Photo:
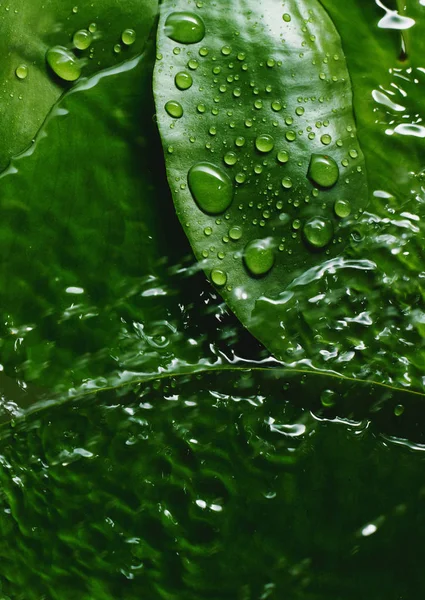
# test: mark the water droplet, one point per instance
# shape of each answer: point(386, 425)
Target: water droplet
point(264, 143)
point(235, 233)
point(208, 231)
point(328, 398)
point(75, 10)
point(259, 257)
point(287, 183)
point(240, 178)
point(218, 277)
point(342, 208)
point(117, 48)
point(203, 51)
point(240, 141)
point(326, 139)
point(185, 27)
point(92, 27)
point(318, 232)
point(353, 153)
point(270, 62)
point(211, 187)
point(183, 80)
point(282, 156)
point(276, 106)
point(174, 109)
point(193, 64)
point(286, 18)
point(399, 410)
point(230, 158)
point(299, 111)
point(21, 72)
point(226, 50)
point(323, 170)
point(64, 63)
point(82, 39)
point(296, 224)
point(290, 136)
point(128, 37)
point(258, 104)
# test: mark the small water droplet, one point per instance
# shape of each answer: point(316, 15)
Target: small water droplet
point(92, 27)
point(174, 109)
point(203, 51)
point(193, 64)
point(328, 398)
point(82, 39)
point(323, 170)
point(290, 136)
point(64, 63)
point(117, 48)
point(240, 141)
point(208, 231)
point(185, 27)
point(219, 277)
point(22, 72)
point(240, 178)
point(259, 257)
point(264, 143)
point(299, 110)
point(230, 158)
point(399, 410)
point(226, 50)
point(128, 37)
point(326, 139)
point(353, 153)
point(235, 233)
point(282, 156)
point(287, 183)
point(211, 187)
point(183, 80)
point(342, 208)
point(318, 232)
point(286, 17)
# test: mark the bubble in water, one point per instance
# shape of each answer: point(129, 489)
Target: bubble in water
point(174, 109)
point(259, 257)
point(218, 277)
point(183, 80)
point(211, 187)
point(323, 170)
point(342, 208)
point(235, 233)
point(185, 27)
point(318, 232)
point(82, 39)
point(64, 63)
point(128, 37)
point(22, 72)
point(264, 143)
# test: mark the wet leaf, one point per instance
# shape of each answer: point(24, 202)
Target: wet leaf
point(29, 87)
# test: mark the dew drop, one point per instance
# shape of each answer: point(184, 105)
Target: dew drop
point(286, 18)
point(259, 257)
point(64, 63)
point(128, 37)
point(185, 27)
point(276, 106)
point(240, 178)
point(399, 410)
point(183, 80)
point(208, 231)
point(211, 188)
point(299, 110)
point(264, 143)
point(218, 277)
point(326, 139)
point(240, 141)
point(235, 233)
point(230, 158)
point(226, 50)
point(193, 64)
point(318, 232)
point(282, 156)
point(82, 39)
point(117, 48)
point(201, 108)
point(203, 51)
point(353, 153)
point(290, 136)
point(323, 170)
point(21, 72)
point(328, 398)
point(342, 208)
point(92, 27)
point(287, 183)
point(174, 109)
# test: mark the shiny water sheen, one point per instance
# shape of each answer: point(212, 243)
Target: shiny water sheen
point(205, 468)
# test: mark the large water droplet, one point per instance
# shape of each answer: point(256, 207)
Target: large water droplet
point(183, 80)
point(264, 143)
point(218, 277)
point(211, 187)
point(82, 39)
point(323, 170)
point(185, 27)
point(174, 109)
point(64, 63)
point(259, 257)
point(318, 232)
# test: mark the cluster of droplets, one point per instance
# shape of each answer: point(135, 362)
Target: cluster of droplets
point(67, 63)
point(211, 186)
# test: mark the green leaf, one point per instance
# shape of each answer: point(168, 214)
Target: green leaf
point(29, 29)
point(269, 104)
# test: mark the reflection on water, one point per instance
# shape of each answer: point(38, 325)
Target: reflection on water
point(150, 447)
